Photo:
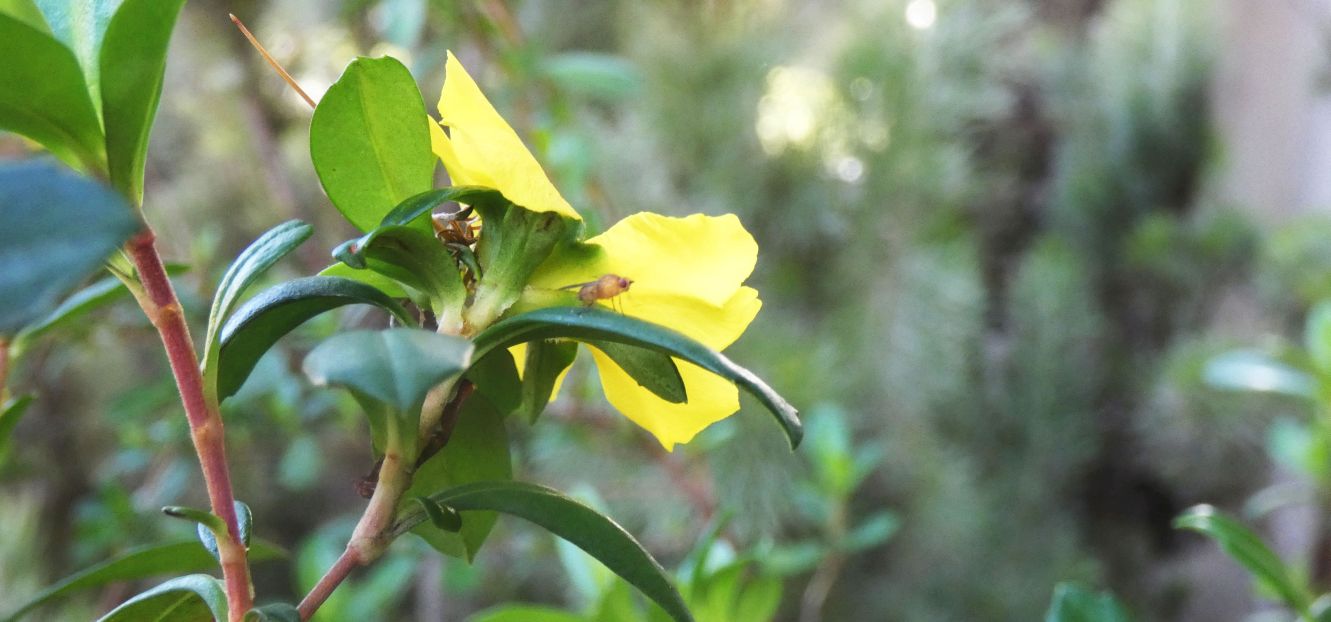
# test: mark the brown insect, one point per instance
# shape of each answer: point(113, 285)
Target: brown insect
point(456, 227)
point(605, 288)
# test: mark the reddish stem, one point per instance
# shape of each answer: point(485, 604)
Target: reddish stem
point(349, 560)
point(205, 421)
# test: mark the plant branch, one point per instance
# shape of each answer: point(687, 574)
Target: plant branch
point(205, 421)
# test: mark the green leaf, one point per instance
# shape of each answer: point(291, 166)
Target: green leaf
point(277, 612)
point(43, 96)
point(1074, 603)
point(55, 228)
point(10, 414)
point(249, 265)
point(598, 325)
point(875, 530)
point(411, 257)
point(204, 518)
point(414, 209)
point(388, 286)
point(132, 59)
point(193, 598)
point(496, 379)
point(370, 140)
point(1317, 336)
point(137, 564)
point(651, 369)
point(1244, 370)
point(477, 451)
point(441, 516)
point(545, 361)
point(208, 532)
point(596, 75)
point(1248, 550)
point(525, 613)
point(99, 294)
point(265, 318)
point(27, 12)
point(592, 532)
point(81, 26)
point(396, 367)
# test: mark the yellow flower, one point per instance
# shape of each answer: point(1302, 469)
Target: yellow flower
point(480, 149)
point(687, 273)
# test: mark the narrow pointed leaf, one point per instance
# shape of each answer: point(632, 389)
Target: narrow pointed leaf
point(1244, 370)
point(43, 95)
point(264, 319)
point(99, 294)
point(252, 263)
point(193, 598)
point(598, 325)
point(132, 59)
point(1241, 544)
point(370, 140)
point(56, 227)
point(591, 531)
point(203, 518)
point(137, 564)
point(396, 367)
point(651, 369)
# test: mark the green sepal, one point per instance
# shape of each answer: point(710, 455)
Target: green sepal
point(652, 370)
point(441, 516)
point(545, 361)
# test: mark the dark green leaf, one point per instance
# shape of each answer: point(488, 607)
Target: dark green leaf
point(10, 414)
point(496, 379)
point(141, 563)
point(414, 209)
point(388, 286)
point(597, 325)
point(411, 257)
point(264, 319)
point(544, 363)
point(1074, 603)
point(55, 228)
point(1248, 550)
point(592, 532)
point(277, 612)
point(396, 367)
point(193, 598)
point(651, 369)
point(208, 532)
point(132, 59)
point(1253, 371)
point(370, 140)
point(43, 96)
point(249, 265)
point(477, 450)
point(441, 516)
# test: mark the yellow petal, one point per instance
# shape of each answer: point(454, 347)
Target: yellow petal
point(482, 149)
point(714, 326)
point(705, 257)
point(711, 399)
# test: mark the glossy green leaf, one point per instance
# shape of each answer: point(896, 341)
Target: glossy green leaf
point(411, 257)
point(132, 59)
point(441, 516)
point(208, 532)
point(414, 209)
point(396, 367)
point(592, 532)
point(477, 451)
point(545, 362)
point(81, 26)
point(651, 369)
point(1074, 603)
point(1249, 551)
point(56, 227)
point(10, 414)
point(265, 318)
point(193, 598)
point(370, 140)
point(27, 12)
point(277, 612)
point(496, 379)
point(43, 95)
point(525, 613)
point(248, 266)
point(388, 286)
point(593, 325)
point(1244, 370)
point(137, 564)
point(1317, 336)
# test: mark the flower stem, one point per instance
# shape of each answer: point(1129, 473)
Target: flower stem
point(205, 421)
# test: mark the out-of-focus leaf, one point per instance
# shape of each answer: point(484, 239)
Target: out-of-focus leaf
point(594, 533)
point(396, 367)
point(525, 613)
point(874, 531)
point(10, 414)
point(595, 75)
point(1244, 370)
point(1317, 336)
point(141, 563)
point(132, 59)
point(277, 612)
point(370, 140)
point(651, 369)
point(1074, 603)
point(43, 95)
point(545, 362)
point(477, 450)
point(249, 265)
point(55, 228)
point(193, 598)
point(594, 325)
point(99, 294)
point(265, 318)
point(1248, 550)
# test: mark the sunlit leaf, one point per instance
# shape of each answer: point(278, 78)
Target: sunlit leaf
point(248, 266)
point(1249, 551)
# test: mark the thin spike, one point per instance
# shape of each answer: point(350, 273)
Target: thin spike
point(271, 61)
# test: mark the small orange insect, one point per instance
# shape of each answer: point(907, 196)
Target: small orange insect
point(605, 288)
